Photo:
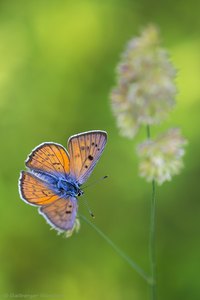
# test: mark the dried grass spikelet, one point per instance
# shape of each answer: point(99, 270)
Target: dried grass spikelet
point(161, 158)
point(145, 90)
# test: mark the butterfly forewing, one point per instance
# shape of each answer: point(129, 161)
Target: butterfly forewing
point(85, 150)
point(34, 191)
point(49, 157)
point(61, 214)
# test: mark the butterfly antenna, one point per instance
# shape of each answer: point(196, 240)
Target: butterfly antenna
point(88, 208)
point(94, 182)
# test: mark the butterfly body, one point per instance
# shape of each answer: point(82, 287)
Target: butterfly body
point(54, 176)
point(68, 188)
point(62, 184)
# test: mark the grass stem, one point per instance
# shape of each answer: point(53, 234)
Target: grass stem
point(152, 237)
point(123, 255)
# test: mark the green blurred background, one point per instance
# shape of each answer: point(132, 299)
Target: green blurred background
point(57, 62)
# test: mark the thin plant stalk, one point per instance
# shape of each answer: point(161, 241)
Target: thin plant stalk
point(123, 255)
point(152, 237)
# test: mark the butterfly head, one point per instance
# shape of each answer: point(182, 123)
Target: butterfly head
point(69, 188)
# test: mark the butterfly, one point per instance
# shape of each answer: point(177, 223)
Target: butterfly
point(54, 177)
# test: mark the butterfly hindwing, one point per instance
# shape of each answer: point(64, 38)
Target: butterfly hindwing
point(49, 157)
point(85, 150)
point(34, 191)
point(61, 214)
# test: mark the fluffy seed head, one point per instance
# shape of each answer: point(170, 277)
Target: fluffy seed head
point(161, 158)
point(145, 90)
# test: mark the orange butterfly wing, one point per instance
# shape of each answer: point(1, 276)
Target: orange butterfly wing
point(61, 214)
point(34, 191)
point(49, 157)
point(85, 150)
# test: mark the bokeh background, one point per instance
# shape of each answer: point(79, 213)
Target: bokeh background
point(57, 67)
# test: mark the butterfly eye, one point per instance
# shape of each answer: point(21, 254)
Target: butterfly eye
point(80, 193)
